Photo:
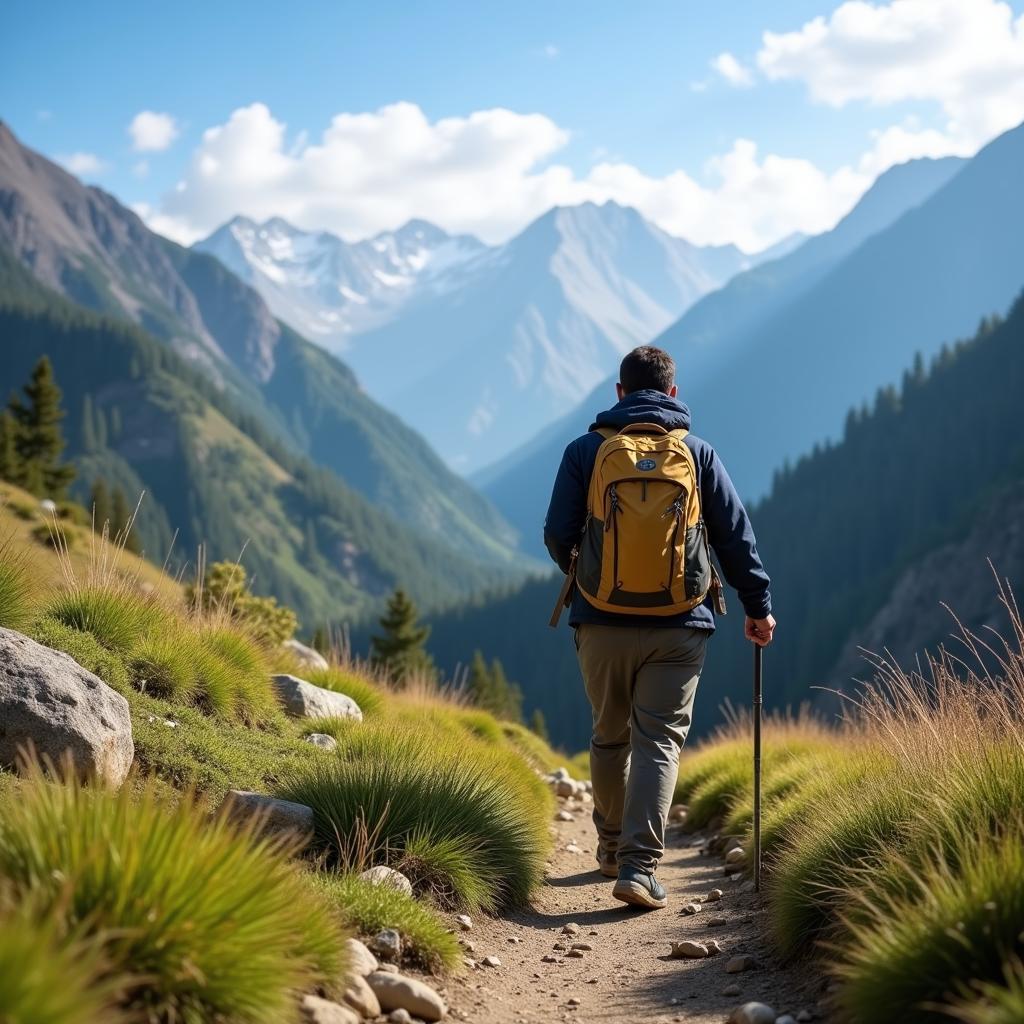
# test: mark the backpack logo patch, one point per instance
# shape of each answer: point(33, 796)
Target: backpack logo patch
point(646, 465)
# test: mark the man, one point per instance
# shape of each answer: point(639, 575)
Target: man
point(641, 670)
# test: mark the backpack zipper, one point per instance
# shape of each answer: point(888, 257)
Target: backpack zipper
point(676, 508)
point(613, 525)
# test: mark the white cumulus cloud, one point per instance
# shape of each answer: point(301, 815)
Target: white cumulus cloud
point(965, 56)
point(152, 132)
point(82, 163)
point(488, 173)
point(732, 70)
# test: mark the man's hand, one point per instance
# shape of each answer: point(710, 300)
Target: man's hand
point(759, 631)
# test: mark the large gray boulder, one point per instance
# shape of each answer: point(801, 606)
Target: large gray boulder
point(272, 814)
point(52, 704)
point(304, 700)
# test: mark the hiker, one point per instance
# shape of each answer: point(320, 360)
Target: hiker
point(642, 500)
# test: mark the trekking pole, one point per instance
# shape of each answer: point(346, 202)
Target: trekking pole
point(758, 661)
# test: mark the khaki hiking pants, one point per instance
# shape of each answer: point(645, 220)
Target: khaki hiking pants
point(641, 682)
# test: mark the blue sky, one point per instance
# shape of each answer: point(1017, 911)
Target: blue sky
point(628, 89)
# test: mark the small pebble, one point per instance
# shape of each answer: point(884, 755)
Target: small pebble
point(785, 1019)
point(560, 947)
point(400, 1016)
point(465, 922)
point(564, 816)
point(574, 1000)
point(514, 939)
point(731, 990)
point(585, 946)
point(716, 922)
point(491, 961)
point(715, 895)
point(738, 964)
point(804, 1015)
point(689, 949)
point(575, 954)
point(690, 908)
point(713, 947)
point(549, 959)
point(571, 929)
point(752, 1013)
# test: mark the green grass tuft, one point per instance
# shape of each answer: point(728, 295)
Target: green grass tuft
point(117, 618)
point(85, 649)
point(443, 870)
point(367, 909)
point(205, 921)
point(15, 590)
point(393, 784)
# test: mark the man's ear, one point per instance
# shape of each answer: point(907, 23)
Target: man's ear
point(673, 391)
point(619, 392)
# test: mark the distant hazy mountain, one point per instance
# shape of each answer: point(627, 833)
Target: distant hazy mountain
point(477, 347)
point(785, 348)
point(82, 243)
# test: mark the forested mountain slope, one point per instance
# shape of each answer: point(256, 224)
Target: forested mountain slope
point(863, 539)
point(142, 419)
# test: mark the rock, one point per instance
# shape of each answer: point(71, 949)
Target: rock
point(560, 947)
point(565, 787)
point(360, 960)
point(564, 816)
point(322, 740)
point(400, 1017)
point(735, 855)
point(713, 947)
point(387, 944)
point(306, 656)
point(714, 896)
point(304, 700)
point(571, 929)
point(738, 964)
point(322, 1011)
point(688, 949)
point(388, 969)
point(560, 775)
point(383, 875)
point(585, 946)
point(397, 992)
point(514, 939)
point(804, 1015)
point(49, 702)
point(690, 908)
point(574, 1001)
point(716, 922)
point(573, 848)
point(491, 961)
point(752, 1013)
point(360, 997)
point(785, 1019)
point(575, 954)
point(274, 815)
point(465, 922)
point(677, 813)
point(549, 959)
point(731, 990)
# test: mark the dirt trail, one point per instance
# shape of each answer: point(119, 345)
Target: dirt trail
point(628, 976)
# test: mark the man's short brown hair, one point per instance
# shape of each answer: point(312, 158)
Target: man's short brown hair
point(647, 368)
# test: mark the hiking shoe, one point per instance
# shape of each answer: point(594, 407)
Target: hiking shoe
point(607, 864)
point(639, 889)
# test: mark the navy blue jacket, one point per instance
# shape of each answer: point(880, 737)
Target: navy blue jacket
point(727, 522)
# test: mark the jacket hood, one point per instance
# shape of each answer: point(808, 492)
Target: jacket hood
point(647, 406)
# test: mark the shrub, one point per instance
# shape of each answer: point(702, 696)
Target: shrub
point(85, 649)
point(367, 909)
point(395, 784)
point(950, 934)
point(45, 978)
point(224, 589)
point(369, 697)
point(205, 921)
point(115, 616)
point(14, 590)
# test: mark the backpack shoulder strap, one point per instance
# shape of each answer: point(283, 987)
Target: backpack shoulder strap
point(606, 432)
point(679, 432)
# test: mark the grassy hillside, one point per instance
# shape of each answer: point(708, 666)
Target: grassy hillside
point(424, 783)
point(214, 473)
point(892, 844)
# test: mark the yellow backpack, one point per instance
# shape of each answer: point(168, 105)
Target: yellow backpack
point(644, 549)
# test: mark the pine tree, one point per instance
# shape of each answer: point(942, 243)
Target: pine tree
point(491, 690)
point(121, 520)
point(10, 463)
point(399, 649)
point(539, 726)
point(102, 509)
point(88, 425)
point(40, 438)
